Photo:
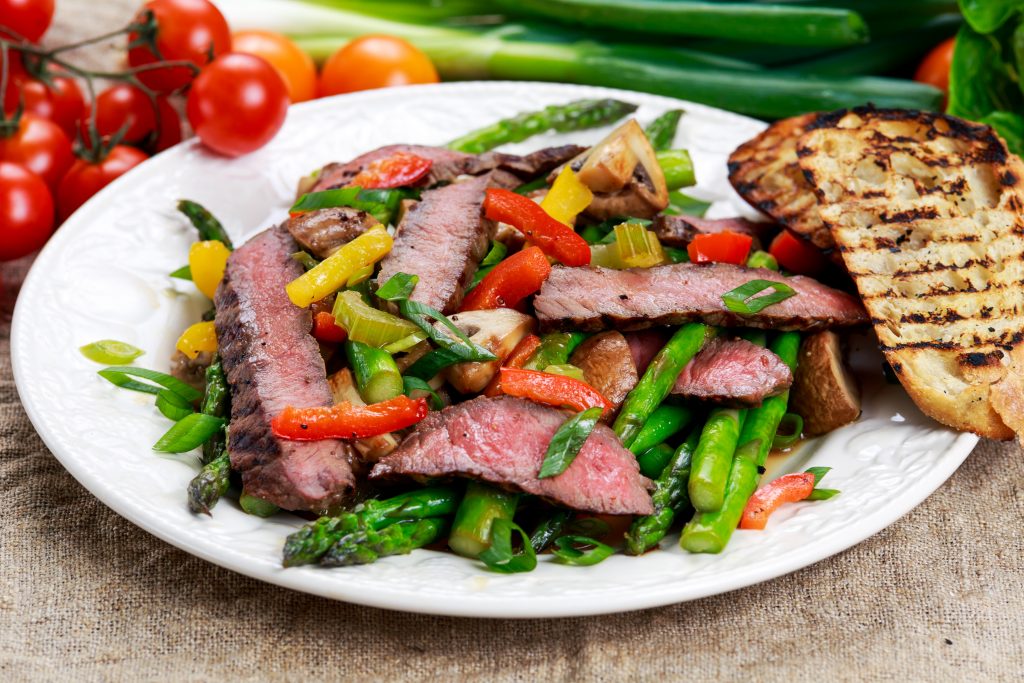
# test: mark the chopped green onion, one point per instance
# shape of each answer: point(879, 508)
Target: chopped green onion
point(683, 204)
point(762, 259)
point(593, 234)
point(411, 384)
point(495, 255)
point(368, 325)
point(312, 201)
point(581, 551)
point(190, 432)
point(405, 343)
point(120, 375)
point(818, 472)
point(172, 406)
point(638, 247)
point(398, 287)
point(822, 494)
point(306, 259)
point(109, 351)
point(257, 506)
point(360, 276)
point(676, 255)
point(381, 204)
point(568, 441)
point(501, 557)
point(183, 273)
point(789, 431)
point(677, 166)
point(461, 346)
point(432, 363)
point(743, 299)
point(549, 529)
point(566, 370)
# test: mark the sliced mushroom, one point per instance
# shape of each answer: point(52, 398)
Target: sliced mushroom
point(607, 365)
point(824, 392)
point(343, 388)
point(324, 231)
point(498, 331)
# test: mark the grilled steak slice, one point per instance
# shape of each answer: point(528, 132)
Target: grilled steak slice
point(733, 372)
point(594, 298)
point(529, 166)
point(607, 365)
point(442, 240)
point(503, 441)
point(679, 231)
point(324, 231)
point(644, 346)
point(271, 361)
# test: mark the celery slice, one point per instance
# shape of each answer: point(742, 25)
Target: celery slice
point(366, 324)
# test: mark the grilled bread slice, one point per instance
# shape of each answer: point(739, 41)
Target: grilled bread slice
point(765, 171)
point(928, 213)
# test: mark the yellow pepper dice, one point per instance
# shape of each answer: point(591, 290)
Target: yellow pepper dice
point(198, 338)
point(567, 197)
point(207, 261)
point(335, 271)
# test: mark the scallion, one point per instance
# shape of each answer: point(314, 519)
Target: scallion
point(189, 432)
point(581, 551)
point(121, 375)
point(172, 406)
point(568, 441)
point(109, 351)
point(501, 556)
point(790, 430)
point(744, 299)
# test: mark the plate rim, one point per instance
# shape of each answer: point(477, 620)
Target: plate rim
point(464, 606)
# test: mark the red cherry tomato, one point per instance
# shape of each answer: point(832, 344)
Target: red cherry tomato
point(120, 107)
point(187, 30)
point(291, 61)
point(86, 178)
point(26, 211)
point(40, 146)
point(934, 68)
point(237, 104)
point(63, 103)
point(168, 127)
point(25, 18)
point(15, 74)
point(375, 62)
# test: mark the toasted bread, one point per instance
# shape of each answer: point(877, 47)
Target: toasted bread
point(765, 171)
point(927, 211)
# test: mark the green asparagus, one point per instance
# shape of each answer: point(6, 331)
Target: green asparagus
point(578, 115)
point(659, 378)
point(308, 544)
point(669, 498)
point(367, 544)
point(253, 505)
point(481, 505)
point(654, 460)
point(709, 532)
point(215, 402)
point(661, 132)
point(207, 487)
point(677, 166)
point(712, 459)
point(376, 373)
point(666, 421)
point(554, 349)
point(209, 227)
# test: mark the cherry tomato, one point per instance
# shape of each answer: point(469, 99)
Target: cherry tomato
point(291, 62)
point(168, 127)
point(40, 146)
point(187, 30)
point(26, 211)
point(934, 69)
point(86, 178)
point(122, 106)
point(237, 104)
point(63, 103)
point(27, 19)
point(15, 71)
point(375, 62)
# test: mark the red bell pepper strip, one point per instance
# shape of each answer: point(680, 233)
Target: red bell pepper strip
point(509, 282)
point(797, 255)
point(517, 359)
point(325, 329)
point(720, 247)
point(347, 421)
point(555, 239)
point(552, 390)
point(788, 488)
point(398, 170)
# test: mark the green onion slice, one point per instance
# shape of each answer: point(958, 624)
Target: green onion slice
point(398, 287)
point(501, 557)
point(109, 351)
point(744, 299)
point(188, 433)
point(183, 273)
point(822, 494)
point(790, 429)
point(580, 551)
point(121, 375)
point(818, 472)
point(411, 384)
point(568, 441)
point(173, 406)
point(495, 255)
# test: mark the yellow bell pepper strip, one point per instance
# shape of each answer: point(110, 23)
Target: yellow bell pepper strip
point(207, 261)
point(334, 271)
point(567, 197)
point(196, 339)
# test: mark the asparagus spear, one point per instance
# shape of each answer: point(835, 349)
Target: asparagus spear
point(659, 378)
point(367, 544)
point(578, 115)
point(669, 497)
point(712, 459)
point(666, 421)
point(211, 483)
point(662, 130)
point(709, 532)
point(308, 544)
point(209, 227)
point(654, 460)
point(677, 166)
point(377, 375)
point(215, 402)
point(480, 507)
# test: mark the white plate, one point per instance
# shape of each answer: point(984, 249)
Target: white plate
point(104, 275)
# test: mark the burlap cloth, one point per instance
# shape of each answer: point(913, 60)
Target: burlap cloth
point(85, 595)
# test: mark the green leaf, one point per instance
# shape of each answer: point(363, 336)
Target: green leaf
point(818, 472)
point(985, 16)
point(501, 557)
point(173, 406)
point(121, 375)
point(411, 384)
point(822, 494)
point(495, 255)
point(744, 299)
point(109, 351)
point(789, 431)
point(183, 273)
point(432, 363)
point(580, 551)
point(980, 80)
point(568, 441)
point(1010, 127)
point(188, 433)
point(398, 287)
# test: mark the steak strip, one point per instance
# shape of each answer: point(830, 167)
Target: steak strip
point(271, 362)
point(594, 298)
point(733, 372)
point(679, 231)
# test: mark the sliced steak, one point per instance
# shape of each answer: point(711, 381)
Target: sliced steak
point(442, 240)
point(594, 298)
point(271, 361)
point(679, 231)
point(503, 441)
point(529, 166)
point(733, 372)
point(644, 346)
point(324, 231)
point(607, 365)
